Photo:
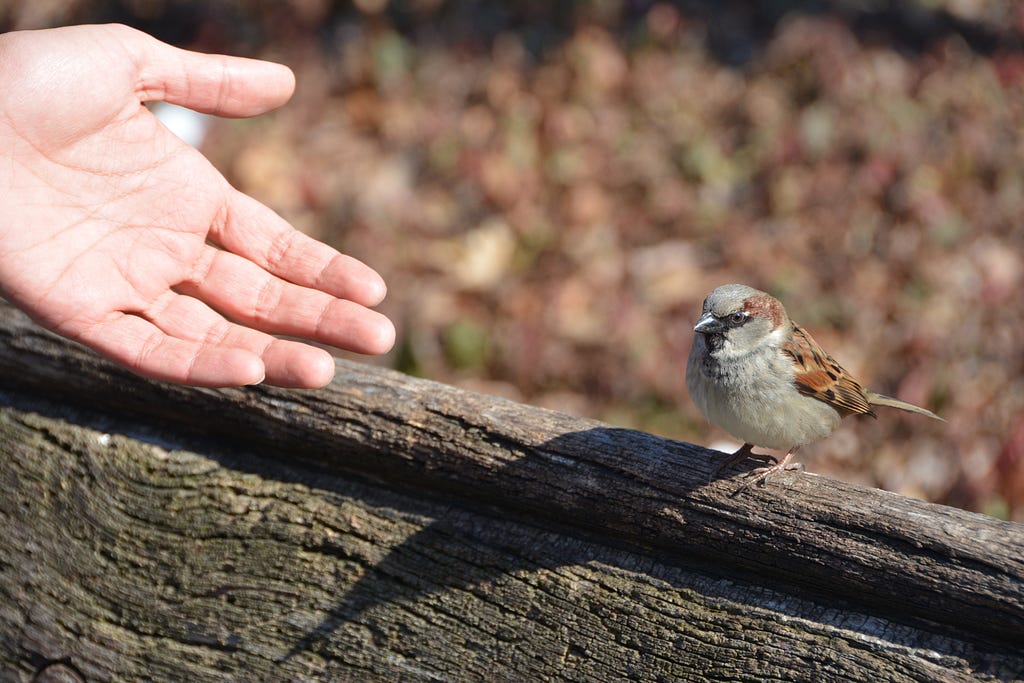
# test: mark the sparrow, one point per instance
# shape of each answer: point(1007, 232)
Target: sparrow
point(761, 377)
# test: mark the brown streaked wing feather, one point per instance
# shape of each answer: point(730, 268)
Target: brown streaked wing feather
point(819, 376)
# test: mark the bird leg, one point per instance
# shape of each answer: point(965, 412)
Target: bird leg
point(741, 454)
point(761, 474)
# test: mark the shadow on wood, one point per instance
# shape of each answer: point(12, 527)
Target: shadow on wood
point(388, 527)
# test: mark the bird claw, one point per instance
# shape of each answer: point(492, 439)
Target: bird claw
point(761, 474)
point(743, 453)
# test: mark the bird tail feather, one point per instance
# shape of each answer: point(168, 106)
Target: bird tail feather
point(883, 400)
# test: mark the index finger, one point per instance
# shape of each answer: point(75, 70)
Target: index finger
point(256, 233)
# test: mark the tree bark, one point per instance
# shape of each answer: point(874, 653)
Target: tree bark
point(392, 528)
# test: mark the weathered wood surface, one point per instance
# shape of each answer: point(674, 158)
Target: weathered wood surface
point(397, 529)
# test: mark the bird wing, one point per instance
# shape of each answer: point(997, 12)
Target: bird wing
point(819, 376)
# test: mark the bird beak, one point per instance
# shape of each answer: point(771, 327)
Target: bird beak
point(708, 324)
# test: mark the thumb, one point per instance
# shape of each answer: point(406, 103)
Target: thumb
point(211, 84)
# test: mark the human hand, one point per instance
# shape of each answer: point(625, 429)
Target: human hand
point(117, 234)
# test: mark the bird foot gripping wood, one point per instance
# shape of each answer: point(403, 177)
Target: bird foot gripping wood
point(761, 474)
point(743, 453)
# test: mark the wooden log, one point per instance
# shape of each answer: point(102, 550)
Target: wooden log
point(394, 528)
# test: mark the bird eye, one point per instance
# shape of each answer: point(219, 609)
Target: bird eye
point(738, 318)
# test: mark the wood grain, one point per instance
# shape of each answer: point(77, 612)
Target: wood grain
point(391, 528)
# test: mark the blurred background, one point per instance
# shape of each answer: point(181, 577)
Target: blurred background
point(551, 188)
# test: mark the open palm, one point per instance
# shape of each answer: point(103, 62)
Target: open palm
point(117, 234)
